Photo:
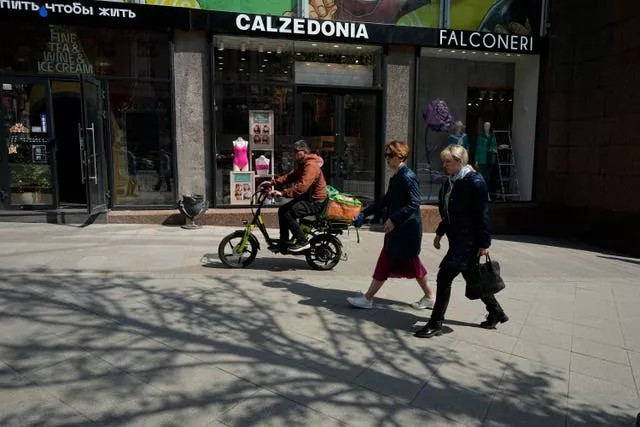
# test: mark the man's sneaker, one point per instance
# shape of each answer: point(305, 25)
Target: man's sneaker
point(424, 303)
point(299, 247)
point(360, 301)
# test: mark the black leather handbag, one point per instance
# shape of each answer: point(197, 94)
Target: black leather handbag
point(483, 279)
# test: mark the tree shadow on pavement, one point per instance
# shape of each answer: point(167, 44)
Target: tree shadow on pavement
point(109, 349)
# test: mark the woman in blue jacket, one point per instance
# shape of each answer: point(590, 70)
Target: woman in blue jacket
point(403, 230)
point(463, 203)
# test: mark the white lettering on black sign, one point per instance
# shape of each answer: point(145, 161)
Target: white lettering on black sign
point(311, 27)
point(66, 8)
point(490, 41)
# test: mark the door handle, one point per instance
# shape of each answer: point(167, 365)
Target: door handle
point(82, 153)
point(93, 154)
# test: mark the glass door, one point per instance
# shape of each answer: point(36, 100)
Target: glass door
point(92, 144)
point(343, 128)
point(26, 155)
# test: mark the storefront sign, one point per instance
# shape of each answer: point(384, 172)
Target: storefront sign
point(67, 9)
point(487, 41)
point(64, 54)
point(309, 27)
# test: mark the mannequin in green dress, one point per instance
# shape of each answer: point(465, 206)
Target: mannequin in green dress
point(486, 149)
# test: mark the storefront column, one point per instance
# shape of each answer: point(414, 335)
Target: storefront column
point(399, 99)
point(192, 101)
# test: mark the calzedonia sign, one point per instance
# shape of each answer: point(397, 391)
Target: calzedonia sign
point(485, 41)
point(299, 26)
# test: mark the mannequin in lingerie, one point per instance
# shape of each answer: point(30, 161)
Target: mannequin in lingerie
point(240, 158)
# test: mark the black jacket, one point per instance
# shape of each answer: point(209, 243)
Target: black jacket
point(402, 201)
point(466, 222)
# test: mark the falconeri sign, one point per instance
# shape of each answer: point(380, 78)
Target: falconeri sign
point(487, 41)
point(299, 26)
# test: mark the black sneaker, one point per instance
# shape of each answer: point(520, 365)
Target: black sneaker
point(493, 320)
point(299, 247)
point(429, 330)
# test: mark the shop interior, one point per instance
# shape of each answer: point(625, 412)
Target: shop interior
point(269, 93)
point(492, 102)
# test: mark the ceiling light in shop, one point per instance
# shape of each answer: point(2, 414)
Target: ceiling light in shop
point(243, 47)
point(320, 55)
point(260, 48)
point(298, 53)
point(486, 53)
point(266, 60)
point(242, 59)
point(336, 45)
point(358, 47)
point(453, 51)
point(279, 50)
point(221, 46)
point(357, 62)
point(269, 52)
point(464, 51)
point(343, 56)
point(314, 44)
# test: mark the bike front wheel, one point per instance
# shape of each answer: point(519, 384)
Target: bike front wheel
point(229, 250)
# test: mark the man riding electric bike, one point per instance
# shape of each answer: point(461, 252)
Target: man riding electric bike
point(309, 192)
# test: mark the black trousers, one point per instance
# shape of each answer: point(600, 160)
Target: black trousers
point(290, 212)
point(443, 295)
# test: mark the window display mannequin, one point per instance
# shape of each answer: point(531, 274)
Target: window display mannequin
point(262, 165)
point(458, 136)
point(240, 159)
point(485, 153)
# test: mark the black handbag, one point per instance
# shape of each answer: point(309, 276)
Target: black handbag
point(483, 279)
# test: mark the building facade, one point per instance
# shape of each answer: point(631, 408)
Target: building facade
point(117, 109)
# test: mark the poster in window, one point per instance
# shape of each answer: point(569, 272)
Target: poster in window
point(241, 187)
point(261, 129)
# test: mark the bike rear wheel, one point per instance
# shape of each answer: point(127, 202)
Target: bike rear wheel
point(228, 250)
point(325, 252)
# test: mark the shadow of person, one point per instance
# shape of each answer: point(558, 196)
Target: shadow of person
point(387, 313)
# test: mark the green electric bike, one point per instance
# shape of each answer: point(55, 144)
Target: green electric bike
point(240, 248)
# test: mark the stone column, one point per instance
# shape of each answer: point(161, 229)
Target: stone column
point(399, 97)
point(191, 67)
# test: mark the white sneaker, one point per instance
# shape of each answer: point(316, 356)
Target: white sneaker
point(424, 303)
point(360, 301)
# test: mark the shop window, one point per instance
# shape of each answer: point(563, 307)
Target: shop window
point(141, 143)
point(24, 127)
point(499, 89)
point(261, 115)
point(57, 49)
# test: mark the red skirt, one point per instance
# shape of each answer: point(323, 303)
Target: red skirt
point(407, 268)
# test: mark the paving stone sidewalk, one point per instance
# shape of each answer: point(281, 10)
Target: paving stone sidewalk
point(129, 325)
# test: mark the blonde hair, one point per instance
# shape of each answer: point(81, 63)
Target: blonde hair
point(457, 152)
point(399, 148)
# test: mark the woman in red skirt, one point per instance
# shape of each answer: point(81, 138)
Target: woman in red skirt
point(403, 231)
